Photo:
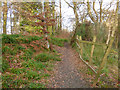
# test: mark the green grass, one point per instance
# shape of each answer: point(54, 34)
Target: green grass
point(58, 41)
point(17, 71)
point(17, 38)
point(112, 58)
point(33, 64)
point(7, 80)
point(6, 49)
point(110, 65)
point(31, 68)
point(36, 85)
point(5, 64)
point(97, 54)
point(44, 57)
point(30, 74)
point(90, 72)
point(27, 54)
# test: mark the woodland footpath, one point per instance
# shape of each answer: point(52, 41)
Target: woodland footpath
point(38, 52)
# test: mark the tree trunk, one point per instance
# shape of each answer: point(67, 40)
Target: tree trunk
point(53, 15)
point(60, 16)
point(11, 19)
point(0, 14)
point(77, 23)
point(73, 40)
point(119, 38)
point(104, 60)
point(14, 23)
point(5, 9)
point(47, 14)
point(108, 39)
point(58, 26)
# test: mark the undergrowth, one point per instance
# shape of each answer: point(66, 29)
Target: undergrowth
point(20, 68)
point(109, 71)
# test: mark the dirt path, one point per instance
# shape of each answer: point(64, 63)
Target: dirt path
point(66, 74)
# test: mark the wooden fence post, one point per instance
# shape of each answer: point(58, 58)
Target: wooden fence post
point(81, 51)
point(92, 50)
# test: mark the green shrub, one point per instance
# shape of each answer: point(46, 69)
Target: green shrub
point(10, 38)
point(85, 30)
point(21, 48)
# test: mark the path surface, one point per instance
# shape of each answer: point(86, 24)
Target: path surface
point(66, 74)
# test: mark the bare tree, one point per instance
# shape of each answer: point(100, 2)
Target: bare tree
point(5, 10)
point(74, 7)
point(60, 16)
point(0, 13)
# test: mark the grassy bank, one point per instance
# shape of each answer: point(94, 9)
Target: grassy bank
point(25, 62)
point(109, 75)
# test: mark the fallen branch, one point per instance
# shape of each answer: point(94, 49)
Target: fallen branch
point(86, 62)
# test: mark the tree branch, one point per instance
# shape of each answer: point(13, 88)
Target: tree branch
point(95, 10)
point(117, 7)
point(89, 11)
point(68, 4)
point(101, 10)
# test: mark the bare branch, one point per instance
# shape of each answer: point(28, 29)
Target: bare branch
point(101, 10)
point(95, 10)
point(110, 5)
point(68, 4)
point(117, 7)
point(89, 11)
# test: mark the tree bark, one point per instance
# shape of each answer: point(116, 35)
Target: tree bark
point(101, 2)
point(5, 9)
point(0, 15)
point(104, 60)
point(60, 16)
point(77, 23)
point(11, 18)
point(53, 15)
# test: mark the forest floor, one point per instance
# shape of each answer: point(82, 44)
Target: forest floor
point(67, 73)
point(27, 64)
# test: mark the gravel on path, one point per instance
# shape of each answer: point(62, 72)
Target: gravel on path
point(66, 74)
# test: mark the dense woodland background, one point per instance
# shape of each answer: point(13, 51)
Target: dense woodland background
point(28, 52)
